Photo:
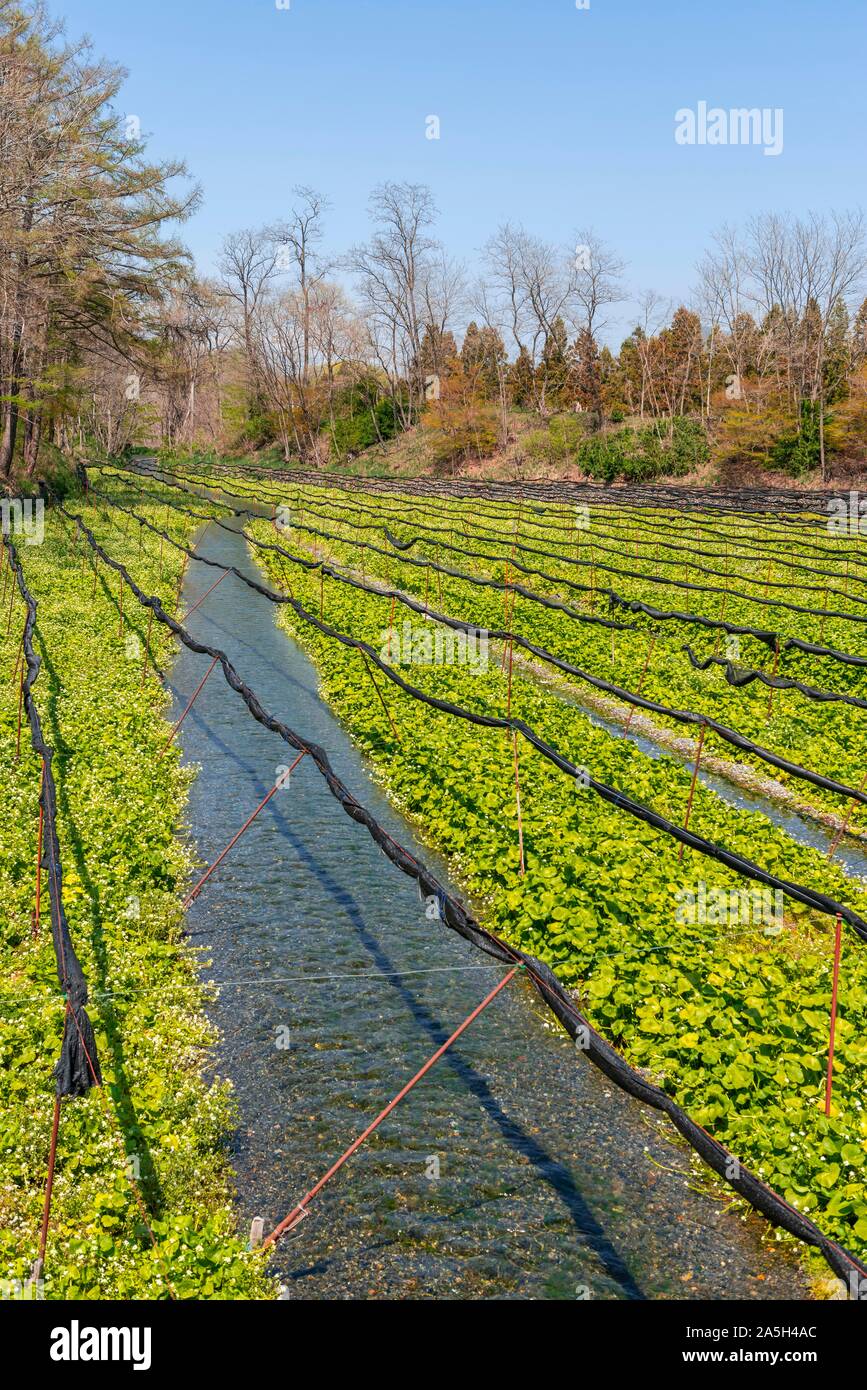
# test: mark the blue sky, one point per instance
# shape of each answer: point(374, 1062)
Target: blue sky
point(550, 116)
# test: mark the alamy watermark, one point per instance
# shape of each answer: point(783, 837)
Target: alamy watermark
point(77, 1343)
point(22, 1290)
point(713, 125)
point(735, 907)
point(407, 645)
point(847, 516)
point(23, 516)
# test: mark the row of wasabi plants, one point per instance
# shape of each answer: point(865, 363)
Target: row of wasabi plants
point(727, 1008)
point(157, 1121)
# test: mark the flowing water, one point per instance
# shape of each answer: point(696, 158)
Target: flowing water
point(514, 1169)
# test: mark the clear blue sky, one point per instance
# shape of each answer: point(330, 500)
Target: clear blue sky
point(551, 116)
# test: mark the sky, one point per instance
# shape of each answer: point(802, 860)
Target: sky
point(550, 116)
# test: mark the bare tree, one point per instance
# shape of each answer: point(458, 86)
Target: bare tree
point(597, 281)
point(491, 310)
point(297, 240)
point(393, 270)
point(249, 264)
point(530, 282)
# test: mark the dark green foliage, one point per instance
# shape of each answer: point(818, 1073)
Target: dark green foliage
point(641, 455)
point(800, 452)
point(362, 421)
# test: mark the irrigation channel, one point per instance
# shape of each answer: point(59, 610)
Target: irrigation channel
point(515, 1169)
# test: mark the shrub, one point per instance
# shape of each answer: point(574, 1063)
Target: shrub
point(642, 455)
point(604, 456)
point(558, 442)
point(358, 425)
point(454, 432)
point(567, 432)
point(689, 446)
point(536, 446)
point(799, 452)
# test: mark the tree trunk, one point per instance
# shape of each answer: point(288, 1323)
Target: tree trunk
point(32, 440)
point(10, 426)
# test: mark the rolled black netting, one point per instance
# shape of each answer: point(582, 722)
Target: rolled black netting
point(77, 1067)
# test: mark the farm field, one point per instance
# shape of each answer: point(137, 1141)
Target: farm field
point(631, 730)
point(433, 676)
point(141, 1205)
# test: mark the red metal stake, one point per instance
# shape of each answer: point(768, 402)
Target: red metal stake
point(641, 682)
point(144, 669)
point(20, 709)
point(300, 1211)
point(198, 605)
point(518, 802)
point(381, 697)
point(18, 659)
point(774, 673)
point(191, 898)
point(49, 1187)
point(195, 697)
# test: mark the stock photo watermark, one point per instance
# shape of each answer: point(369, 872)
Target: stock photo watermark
point(77, 1343)
point(762, 127)
point(847, 516)
point(407, 645)
point(736, 907)
point(22, 1290)
point(23, 517)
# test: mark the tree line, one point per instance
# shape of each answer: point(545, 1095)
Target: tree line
point(110, 339)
